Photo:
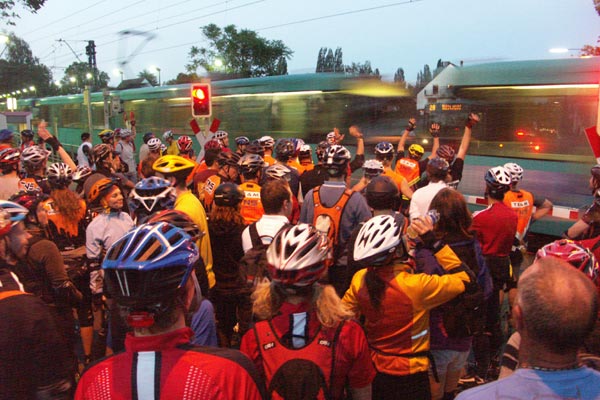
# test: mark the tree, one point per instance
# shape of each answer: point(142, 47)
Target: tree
point(8, 15)
point(423, 77)
point(329, 61)
point(589, 50)
point(399, 78)
point(597, 6)
point(149, 76)
point(21, 70)
point(241, 52)
point(282, 66)
point(338, 62)
point(79, 74)
point(321, 60)
point(183, 78)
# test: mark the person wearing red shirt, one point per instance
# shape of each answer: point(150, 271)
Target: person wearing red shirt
point(155, 291)
point(304, 327)
point(495, 228)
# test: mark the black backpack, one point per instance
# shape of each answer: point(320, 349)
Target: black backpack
point(464, 315)
point(253, 264)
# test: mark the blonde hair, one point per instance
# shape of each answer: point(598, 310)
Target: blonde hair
point(268, 297)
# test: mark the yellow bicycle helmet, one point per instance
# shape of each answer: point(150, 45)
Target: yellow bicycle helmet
point(106, 134)
point(170, 164)
point(416, 151)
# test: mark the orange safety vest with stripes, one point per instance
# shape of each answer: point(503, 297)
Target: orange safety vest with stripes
point(409, 169)
point(210, 186)
point(521, 202)
point(251, 207)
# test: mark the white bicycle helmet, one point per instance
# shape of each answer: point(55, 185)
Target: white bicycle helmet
point(296, 256)
point(34, 156)
point(154, 144)
point(372, 168)
point(377, 241)
point(220, 135)
point(167, 135)
point(267, 141)
point(59, 175)
point(515, 171)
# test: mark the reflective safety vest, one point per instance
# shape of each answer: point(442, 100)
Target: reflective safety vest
point(251, 207)
point(521, 202)
point(211, 185)
point(306, 372)
point(409, 169)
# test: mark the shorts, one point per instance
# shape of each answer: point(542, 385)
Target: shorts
point(501, 272)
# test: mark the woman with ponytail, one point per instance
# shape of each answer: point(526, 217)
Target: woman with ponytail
point(305, 344)
point(395, 302)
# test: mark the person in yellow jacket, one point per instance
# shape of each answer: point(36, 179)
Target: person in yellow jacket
point(176, 169)
point(395, 301)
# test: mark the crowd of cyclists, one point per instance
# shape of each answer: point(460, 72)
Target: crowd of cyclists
point(149, 267)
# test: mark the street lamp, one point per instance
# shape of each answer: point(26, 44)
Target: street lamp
point(156, 70)
point(117, 72)
point(89, 75)
point(218, 62)
point(32, 88)
point(72, 79)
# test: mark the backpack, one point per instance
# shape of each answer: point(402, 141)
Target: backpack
point(465, 314)
point(302, 373)
point(253, 263)
point(327, 219)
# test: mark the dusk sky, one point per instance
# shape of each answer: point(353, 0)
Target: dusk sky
point(388, 33)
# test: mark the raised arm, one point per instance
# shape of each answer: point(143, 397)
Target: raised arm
point(472, 120)
point(354, 130)
point(434, 130)
point(412, 123)
point(55, 144)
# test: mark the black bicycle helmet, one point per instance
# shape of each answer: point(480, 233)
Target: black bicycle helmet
point(250, 164)
point(228, 158)
point(284, 150)
point(179, 219)
point(322, 150)
point(228, 194)
point(28, 133)
point(382, 193)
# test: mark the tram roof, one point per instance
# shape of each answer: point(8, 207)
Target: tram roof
point(271, 84)
point(530, 72)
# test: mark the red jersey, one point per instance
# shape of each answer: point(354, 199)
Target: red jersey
point(495, 227)
point(168, 366)
point(352, 356)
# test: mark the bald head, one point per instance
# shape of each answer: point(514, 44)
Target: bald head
point(558, 304)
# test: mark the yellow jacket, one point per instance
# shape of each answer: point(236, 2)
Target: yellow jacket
point(398, 333)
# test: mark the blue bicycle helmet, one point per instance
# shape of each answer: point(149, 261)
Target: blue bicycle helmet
point(146, 268)
point(151, 195)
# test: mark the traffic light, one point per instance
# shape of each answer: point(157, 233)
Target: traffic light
point(201, 102)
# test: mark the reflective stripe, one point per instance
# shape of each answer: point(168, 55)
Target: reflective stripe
point(299, 330)
point(420, 334)
point(145, 374)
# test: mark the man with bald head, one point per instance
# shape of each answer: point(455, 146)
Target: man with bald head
point(555, 310)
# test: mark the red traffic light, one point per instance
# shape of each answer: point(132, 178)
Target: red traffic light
point(201, 100)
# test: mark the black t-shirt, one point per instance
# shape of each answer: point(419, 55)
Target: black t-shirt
point(33, 353)
point(313, 178)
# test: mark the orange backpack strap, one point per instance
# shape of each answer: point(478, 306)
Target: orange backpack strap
point(10, 293)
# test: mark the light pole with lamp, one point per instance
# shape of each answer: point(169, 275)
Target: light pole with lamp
point(156, 70)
